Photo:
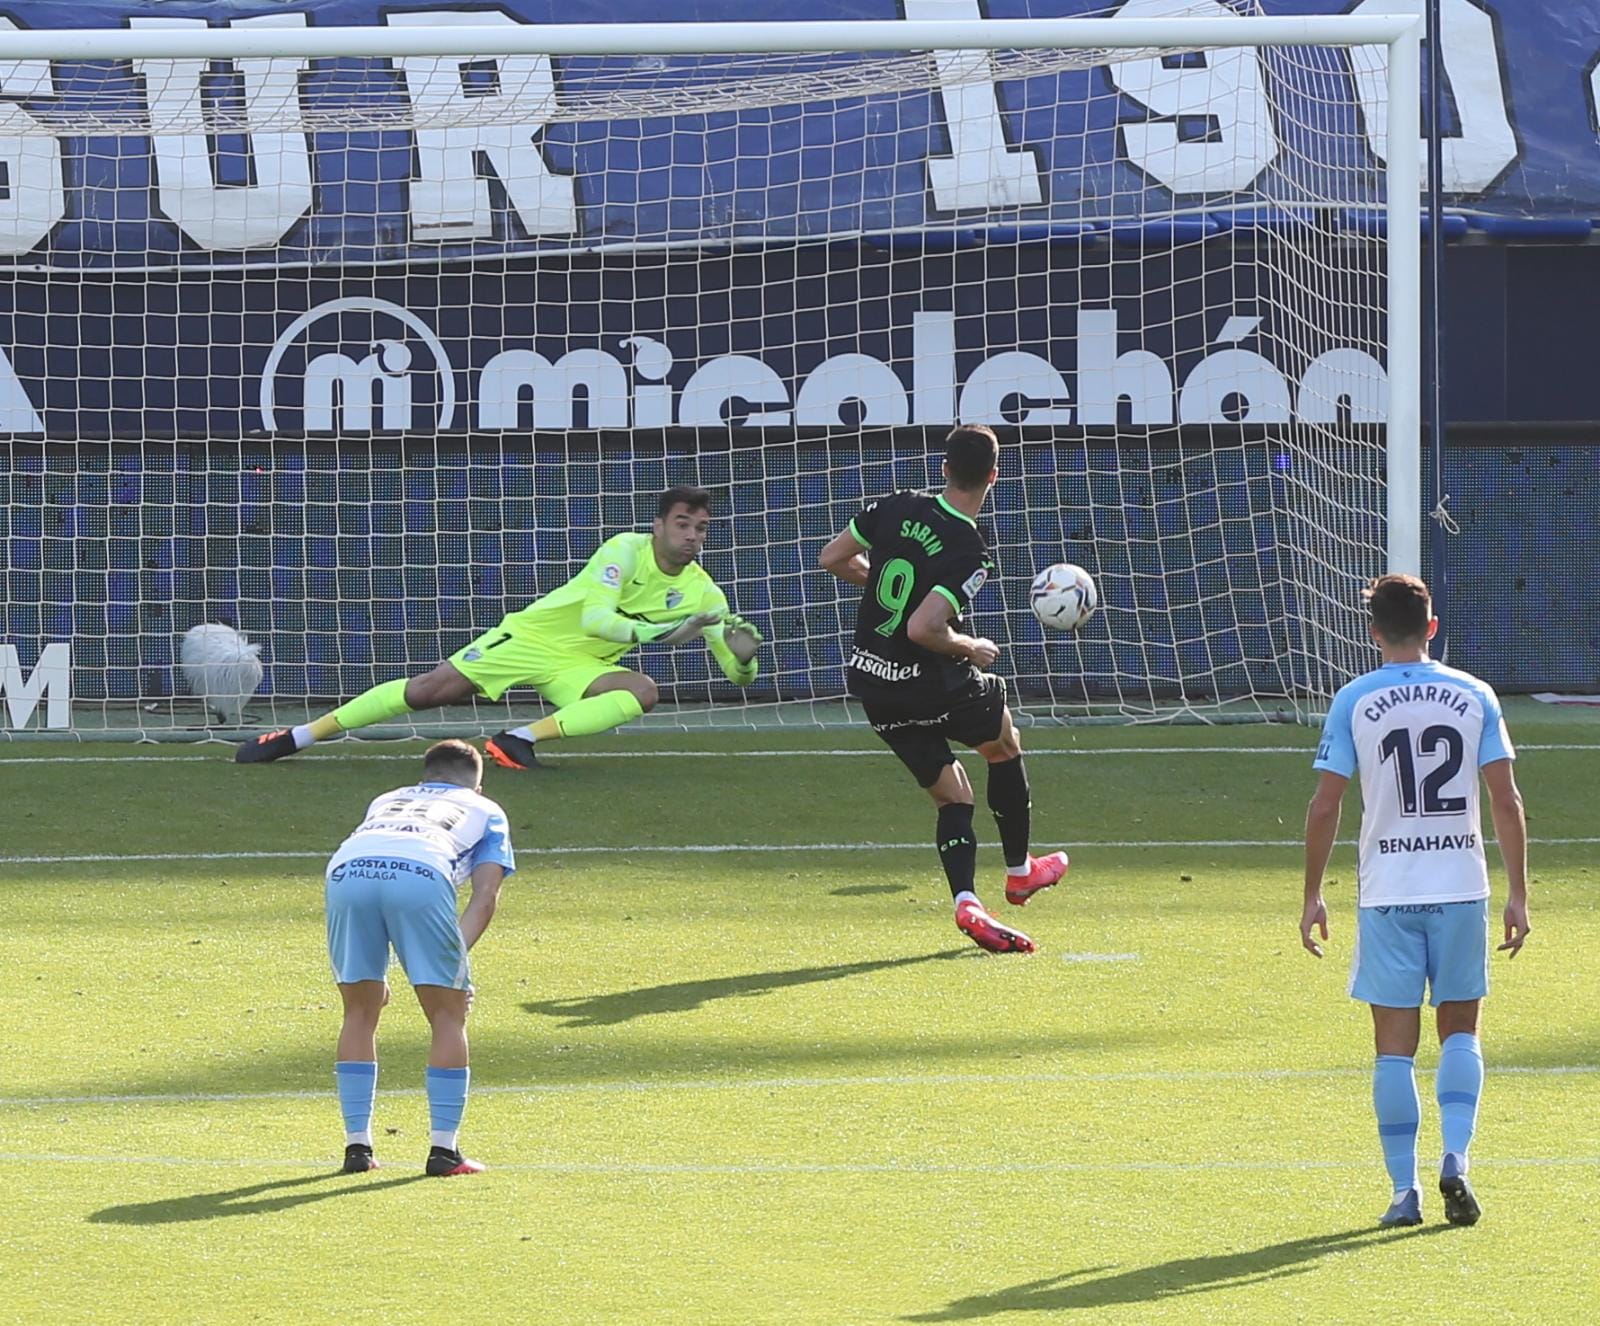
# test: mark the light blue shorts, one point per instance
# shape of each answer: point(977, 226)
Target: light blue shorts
point(376, 901)
point(1445, 944)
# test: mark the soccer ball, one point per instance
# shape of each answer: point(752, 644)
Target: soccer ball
point(1063, 596)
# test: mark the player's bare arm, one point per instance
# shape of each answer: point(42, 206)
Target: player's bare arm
point(846, 557)
point(1511, 831)
point(486, 881)
point(931, 627)
point(1322, 827)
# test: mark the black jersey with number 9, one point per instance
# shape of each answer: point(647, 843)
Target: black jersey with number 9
point(918, 545)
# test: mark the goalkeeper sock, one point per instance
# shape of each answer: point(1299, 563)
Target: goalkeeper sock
point(373, 706)
point(318, 729)
point(1010, 803)
point(358, 1087)
point(527, 732)
point(585, 718)
point(958, 847)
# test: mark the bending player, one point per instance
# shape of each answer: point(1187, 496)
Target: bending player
point(393, 881)
point(1420, 734)
point(636, 589)
point(922, 560)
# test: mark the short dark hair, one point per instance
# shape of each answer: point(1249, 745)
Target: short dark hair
point(1400, 607)
point(683, 494)
point(972, 452)
point(452, 761)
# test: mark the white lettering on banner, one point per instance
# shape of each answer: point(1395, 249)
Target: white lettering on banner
point(17, 414)
point(553, 390)
point(1344, 380)
point(1221, 88)
point(1207, 129)
point(933, 368)
point(513, 95)
point(1594, 91)
point(983, 170)
point(1234, 386)
point(1469, 51)
point(734, 389)
point(851, 377)
point(652, 398)
point(589, 387)
point(1106, 378)
point(336, 381)
point(229, 217)
point(1012, 378)
point(339, 392)
point(34, 198)
point(51, 679)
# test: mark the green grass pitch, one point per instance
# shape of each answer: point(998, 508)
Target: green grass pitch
point(770, 1084)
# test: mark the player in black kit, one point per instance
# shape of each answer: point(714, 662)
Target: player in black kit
point(922, 560)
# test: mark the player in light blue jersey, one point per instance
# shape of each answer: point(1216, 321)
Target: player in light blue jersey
point(1419, 733)
point(393, 882)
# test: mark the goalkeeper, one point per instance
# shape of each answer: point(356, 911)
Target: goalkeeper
point(636, 589)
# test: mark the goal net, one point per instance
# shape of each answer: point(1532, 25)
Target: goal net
point(356, 347)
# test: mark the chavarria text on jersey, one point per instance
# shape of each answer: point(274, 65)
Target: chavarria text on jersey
point(1417, 733)
point(440, 825)
point(1453, 700)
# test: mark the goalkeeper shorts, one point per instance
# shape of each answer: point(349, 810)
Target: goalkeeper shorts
point(502, 658)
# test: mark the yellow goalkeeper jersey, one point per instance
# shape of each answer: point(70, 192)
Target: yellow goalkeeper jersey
point(621, 585)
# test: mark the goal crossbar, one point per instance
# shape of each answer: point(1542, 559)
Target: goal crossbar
point(80, 44)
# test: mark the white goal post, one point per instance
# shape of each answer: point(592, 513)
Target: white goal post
point(511, 372)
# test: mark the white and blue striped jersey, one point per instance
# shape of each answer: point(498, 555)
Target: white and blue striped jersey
point(1418, 733)
point(449, 828)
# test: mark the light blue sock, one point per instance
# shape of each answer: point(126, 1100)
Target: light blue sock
point(447, 1102)
point(358, 1088)
point(1459, 1083)
point(1399, 1111)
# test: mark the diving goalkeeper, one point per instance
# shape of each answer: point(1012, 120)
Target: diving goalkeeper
point(636, 589)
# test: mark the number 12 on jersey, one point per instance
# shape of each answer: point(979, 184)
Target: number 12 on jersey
point(1397, 745)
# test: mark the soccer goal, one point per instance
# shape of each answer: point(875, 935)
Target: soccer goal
point(356, 338)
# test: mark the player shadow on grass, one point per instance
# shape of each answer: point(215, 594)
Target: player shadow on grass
point(249, 1200)
point(867, 890)
point(606, 1010)
point(1173, 1279)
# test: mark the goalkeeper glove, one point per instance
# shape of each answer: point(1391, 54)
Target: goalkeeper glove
point(675, 633)
point(741, 637)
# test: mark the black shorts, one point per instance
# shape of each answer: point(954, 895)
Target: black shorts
point(919, 728)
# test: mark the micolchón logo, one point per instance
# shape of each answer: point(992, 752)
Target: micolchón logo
point(357, 365)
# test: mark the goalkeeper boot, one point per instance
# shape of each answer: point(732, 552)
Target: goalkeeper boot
point(1043, 871)
point(1404, 1211)
point(1460, 1205)
point(358, 1158)
point(511, 752)
point(268, 746)
point(987, 933)
point(443, 1163)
